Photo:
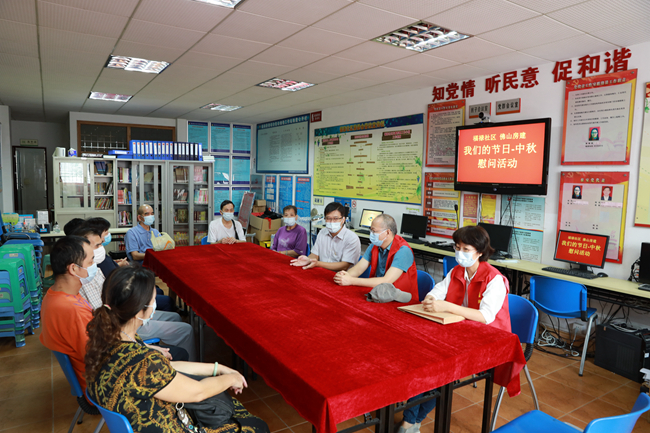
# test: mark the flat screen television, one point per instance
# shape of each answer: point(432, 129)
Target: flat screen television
point(584, 249)
point(503, 158)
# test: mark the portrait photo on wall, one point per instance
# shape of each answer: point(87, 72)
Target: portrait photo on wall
point(594, 133)
point(606, 194)
point(577, 192)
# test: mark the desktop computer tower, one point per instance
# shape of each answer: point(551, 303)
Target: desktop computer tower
point(623, 353)
point(644, 263)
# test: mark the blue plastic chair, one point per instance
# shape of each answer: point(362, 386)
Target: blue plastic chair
point(204, 240)
point(563, 299)
point(366, 273)
point(116, 422)
point(538, 422)
point(523, 321)
point(448, 263)
point(75, 388)
point(308, 250)
point(425, 284)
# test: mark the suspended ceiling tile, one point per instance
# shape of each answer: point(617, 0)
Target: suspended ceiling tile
point(229, 47)
point(381, 74)
point(19, 48)
point(148, 33)
point(288, 56)
point(23, 63)
point(170, 112)
point(265, 71)
point(508, 62)
point(182, 13)
point(420, 81)
point(312, 76)
point(479, 16)
point(421, 63)
point(113, 7)
point(469, 50)
point(256, 28)
point(460, 72)
point(80, 20)
point(17, 32)
point(345, 84)
point(218, 64)
point(337, 65)
point(546, 6)
point(18, 10)
point(122, 82)
point(320, 41)
point(531, 33)
point(375, 53)
point(294, 11)
point(577, 46)
point(417, 9)
point(201, 115)
point(149, 52)
point(98, 106)
point(598, 14)
point(627, 34)
point(392, 88)
point(74, 61)
point(363, 21)
point(53, 39)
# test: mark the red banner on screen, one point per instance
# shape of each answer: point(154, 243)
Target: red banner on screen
point(581, 248)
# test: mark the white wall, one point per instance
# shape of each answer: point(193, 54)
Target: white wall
point(6, 195)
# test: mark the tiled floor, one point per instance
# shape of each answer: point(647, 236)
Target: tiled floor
point(35, 396)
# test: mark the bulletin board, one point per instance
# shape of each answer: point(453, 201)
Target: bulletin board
point(440, 203)
point(442, 120)
point(283, 146)
point(586, 206)
point(378, 160)
point(642, 216)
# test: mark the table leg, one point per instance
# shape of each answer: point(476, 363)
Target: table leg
point(442, 423)
point(487, 402)
point(201, 345)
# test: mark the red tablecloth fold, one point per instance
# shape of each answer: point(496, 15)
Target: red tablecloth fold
point(330, 353)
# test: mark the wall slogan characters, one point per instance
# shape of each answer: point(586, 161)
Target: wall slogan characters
point(595, 202)
point(642, 216)
point(442, 120)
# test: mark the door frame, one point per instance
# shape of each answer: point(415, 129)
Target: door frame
point(15, 175)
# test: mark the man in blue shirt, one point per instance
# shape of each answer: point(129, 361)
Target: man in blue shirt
point(138, 238)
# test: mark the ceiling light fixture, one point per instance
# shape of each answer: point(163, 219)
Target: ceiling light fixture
point(221, 107)
point(109, 96)
point(225, 3)
point(135, 64)
point(421, 36)
point(282, 84)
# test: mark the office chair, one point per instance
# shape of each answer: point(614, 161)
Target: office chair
point(425, 284)
point(563, 299)
point(448, 263)
point(116, 422)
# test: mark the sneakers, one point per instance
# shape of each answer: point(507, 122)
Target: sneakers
point(415, 428)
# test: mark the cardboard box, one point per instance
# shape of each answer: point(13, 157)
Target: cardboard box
point(260, 203)
point(257, 209)
point(261, 228)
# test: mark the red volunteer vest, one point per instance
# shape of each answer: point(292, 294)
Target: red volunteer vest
point(408, 282)
point(476, 288)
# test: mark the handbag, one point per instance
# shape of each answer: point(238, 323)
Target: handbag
point(162, 242)
point(213, 412)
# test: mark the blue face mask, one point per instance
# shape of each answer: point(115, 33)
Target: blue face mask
point(107, 240)
point(92, 271)
point(374, 238)
point(153, 306)
point(149, 220)
point(465, 259)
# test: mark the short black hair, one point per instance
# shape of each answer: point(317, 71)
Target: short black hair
point(99, 223)
point(72, 225)
point(85, 230)
point(226, 203)
point(336, 206)
point(66, 251)
point(477, 237)
point(290, 207)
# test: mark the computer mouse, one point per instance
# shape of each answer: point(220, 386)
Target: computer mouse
point(602, 275)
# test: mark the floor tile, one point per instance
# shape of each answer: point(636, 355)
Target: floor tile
point(558, 395)
point(467, 420)
point(623, 397)
point(284, 410)
point(575, 422)
point(24, 363)
point(37, 427)
point(597, 409)
point(28, 409)
point(63, 402)
point(62, 424)
point(543, 364)
point(513, 407)
point(475, 394)
point(32, 345)
point(590, 367)
point(24, 384)
point(302, 428)
point(592, 384)
point(262, 410)
point(260, 388)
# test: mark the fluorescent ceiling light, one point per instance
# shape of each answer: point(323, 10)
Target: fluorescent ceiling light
point(109, 96)
point(225, 3)
point(421, 36)
point(137, 65)
point(221, 107)
point(282, 84)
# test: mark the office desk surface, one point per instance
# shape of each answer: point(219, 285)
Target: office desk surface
point(114, 231)
point(330, 353)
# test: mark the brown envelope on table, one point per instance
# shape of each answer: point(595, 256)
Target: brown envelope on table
point(443, 318)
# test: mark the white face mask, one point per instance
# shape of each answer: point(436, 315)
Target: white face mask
point(465, 259)
point(153, 306)
point(333, 227)
point(290, 221)
point(100, 255)
point(228, 216)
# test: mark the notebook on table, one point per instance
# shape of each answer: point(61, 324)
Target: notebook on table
point(443, 318)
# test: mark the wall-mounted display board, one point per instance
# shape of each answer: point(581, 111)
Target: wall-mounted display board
point(270, 190)
point(442, 120)
point(197, 132)
point(526, 215)
point(283, 146)
point(220, 194)
point(470, 209)
point(237, 196)
point(220, 137)
point(285, 192)
point(241, 139)
point(642, 217)
point(241, 170)
point(598, 119)
point(303, 196)
point(440, 204)
point(221, 169)
point(595, 202)
point(379, 160)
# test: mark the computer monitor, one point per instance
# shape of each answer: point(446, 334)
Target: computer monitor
point(499, 236)
point(367, 216)
point(644, 264)
point(414, 226)
point(584, 249)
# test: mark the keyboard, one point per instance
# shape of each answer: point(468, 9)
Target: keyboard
point(363, 231)
point(571, 272)
point(415, 241)
point(445, 247)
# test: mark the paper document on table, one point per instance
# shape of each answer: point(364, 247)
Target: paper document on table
point(443, 318)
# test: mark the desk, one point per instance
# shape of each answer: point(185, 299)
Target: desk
point(112, 231)
point(332, 355)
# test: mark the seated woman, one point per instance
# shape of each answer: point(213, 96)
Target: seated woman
point(225, 230)
point(290, 239)
point(474, 289)
point(125, 376)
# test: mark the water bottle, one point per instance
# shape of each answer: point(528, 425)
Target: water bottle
point(56, 228)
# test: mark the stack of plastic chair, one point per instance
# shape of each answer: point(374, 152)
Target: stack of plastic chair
point(15, 305)
point(25, 240)
point(34, 281)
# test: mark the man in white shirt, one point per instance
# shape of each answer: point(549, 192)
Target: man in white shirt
point(336, 247)
point(226, 230)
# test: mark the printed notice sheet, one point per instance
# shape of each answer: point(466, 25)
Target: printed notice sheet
point(442, 120)
point(642, 217)
point(440, 203)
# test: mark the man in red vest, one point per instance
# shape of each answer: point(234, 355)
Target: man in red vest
point(390, 259)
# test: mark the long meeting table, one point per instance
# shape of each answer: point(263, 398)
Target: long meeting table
point(331, 354)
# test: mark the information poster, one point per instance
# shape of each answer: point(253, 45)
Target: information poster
point(526, 245)
point(241, 139)
point(595, 202)
point(241, 170)
point(442, 120)
point(283, 146)
point(257, 186)
point(303, 196)
point(488, 208)
point(598, 113)
point(220, 194)
point(642, 216)
point(470, 209)
point(285, 192)
point(197, 132)
point(378, 160)
point(220, 137)
point(270, 190)
point(440, 204)
point(221, 169)
point(525, 212)
point(237, 196)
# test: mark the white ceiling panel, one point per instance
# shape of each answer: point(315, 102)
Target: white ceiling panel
point(599, 14)
point(18, 10)
point(182, 13)
point(470, 50)
point(201, 115)
point(172, 111)
point(568, 48)
point(288, 56)
point(122, 82)
point(228, 84)
point(531, 33)
point(345, 84)
point(417, 9)
point(294, 11)
point(390, 88)
point(80, 20)
point(420, 82)
point(22, 63)
point(508, 62)
point(546, 6)
point(479, 16)
point(144, 51)
point(264, 71)
point(18, 38)
point(53, 39)
point(218, 64)
point(363, 21)
point(460, 72)
point(375, 53)
point(320, 41)
point(339, 66)
point(148, 33)
point(250, 96)
point(626, 34)
point(122, 8)
point(229, 47)
point(19, 48)
point(312, 76)
point(98, 106)
point(381, 74)
point(83, 62)
point(421, 63)
point(256, 28)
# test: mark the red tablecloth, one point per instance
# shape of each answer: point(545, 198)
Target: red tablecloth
point(330, 353)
